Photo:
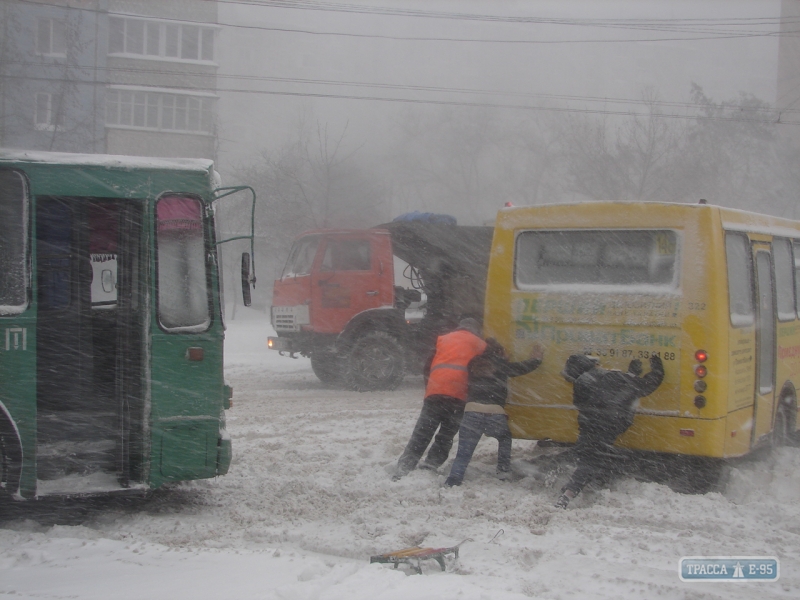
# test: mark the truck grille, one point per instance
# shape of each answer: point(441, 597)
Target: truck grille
point(289, 318)
point(284, 323)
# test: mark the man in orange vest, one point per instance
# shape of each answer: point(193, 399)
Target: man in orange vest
point(445, 398)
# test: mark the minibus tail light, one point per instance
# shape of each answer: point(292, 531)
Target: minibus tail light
point(701, 356)
point(700, 371)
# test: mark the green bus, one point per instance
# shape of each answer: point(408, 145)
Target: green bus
point(111, 324)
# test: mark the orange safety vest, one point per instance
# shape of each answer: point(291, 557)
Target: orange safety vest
point(448, 375)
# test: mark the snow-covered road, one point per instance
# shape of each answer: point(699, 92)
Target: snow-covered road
point(308, 499)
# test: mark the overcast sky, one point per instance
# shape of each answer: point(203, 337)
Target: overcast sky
point(365, 62)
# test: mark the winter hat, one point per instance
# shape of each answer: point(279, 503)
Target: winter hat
point(577, 365)
point(470, 325)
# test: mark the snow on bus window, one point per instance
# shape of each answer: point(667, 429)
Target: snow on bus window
point(740, 279)
point(13, 242)
point(617, 258)
point(182, 281)
point(784, 279)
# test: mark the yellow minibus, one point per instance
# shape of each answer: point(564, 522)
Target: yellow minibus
point(713, 291)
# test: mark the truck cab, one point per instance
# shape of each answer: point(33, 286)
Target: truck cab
point(341, 301)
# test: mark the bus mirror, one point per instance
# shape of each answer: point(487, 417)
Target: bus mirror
point(246, 299)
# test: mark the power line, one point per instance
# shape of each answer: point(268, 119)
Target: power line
point(390, 86)
point(693, 34)
point(618, 113)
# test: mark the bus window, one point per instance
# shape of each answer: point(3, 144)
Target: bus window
point(624, 259)
point(13, 242)
point(54, 250)
point(784, 279)
point(182, 282)
point(301, 257)
point(740, 279)
point(796, 248)
point(766, 324)
point(103, 234)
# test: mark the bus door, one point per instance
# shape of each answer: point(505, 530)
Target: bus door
point(185, 350)
point(765, 342)
point(17, 340)
point(88, 341)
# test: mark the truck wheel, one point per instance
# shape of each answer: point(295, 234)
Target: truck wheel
point(327, 366)
point(376, 363)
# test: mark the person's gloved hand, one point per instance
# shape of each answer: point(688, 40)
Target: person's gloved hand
point(635, 367)
point(655, 363)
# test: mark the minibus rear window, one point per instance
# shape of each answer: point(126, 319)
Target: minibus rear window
point(629, 260)
point(740, 279)
point(13, 242)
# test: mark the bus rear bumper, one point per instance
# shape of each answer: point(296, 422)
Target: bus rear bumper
point(224, 452)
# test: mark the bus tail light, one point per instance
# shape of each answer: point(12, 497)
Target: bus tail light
point(687, 432)
point(700, 401)
point(701, 371)
point(701, 356)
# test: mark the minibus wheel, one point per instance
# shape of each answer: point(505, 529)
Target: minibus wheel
point(783, 430)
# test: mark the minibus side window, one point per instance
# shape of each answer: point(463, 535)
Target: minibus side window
point(182, 278)
point(13, 242)
point(784, 279)
point(740, 279)
point(796, 248)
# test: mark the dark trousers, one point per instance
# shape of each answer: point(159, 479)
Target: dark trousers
point(594, 450)
point(438, 412)
point(473, 426)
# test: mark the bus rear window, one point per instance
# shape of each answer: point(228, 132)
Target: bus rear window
point(13, 242)
point(182, 279)
point(625, 259)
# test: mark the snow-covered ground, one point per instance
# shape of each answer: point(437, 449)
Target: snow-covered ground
point(309, 499)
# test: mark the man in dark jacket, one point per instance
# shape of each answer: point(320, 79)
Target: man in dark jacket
point(485, 410)
point(605, 400)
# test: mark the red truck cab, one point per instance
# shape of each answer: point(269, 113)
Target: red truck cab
point(339, 303)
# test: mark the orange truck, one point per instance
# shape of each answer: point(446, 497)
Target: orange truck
point(367, 305)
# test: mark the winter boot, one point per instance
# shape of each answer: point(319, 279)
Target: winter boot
point(564, 499)
point(504, 475)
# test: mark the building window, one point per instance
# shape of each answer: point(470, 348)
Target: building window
point(160, 39)
point(160, 111)
point(44, 112)
point(51, 37)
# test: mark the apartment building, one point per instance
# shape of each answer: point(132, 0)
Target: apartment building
point(135, 77)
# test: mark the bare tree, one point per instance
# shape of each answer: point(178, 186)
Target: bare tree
point(311, 181)
point(628, 160)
